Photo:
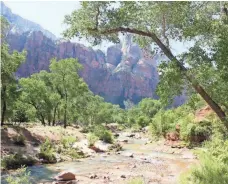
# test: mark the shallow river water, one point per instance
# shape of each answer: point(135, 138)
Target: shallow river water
point(172, 164)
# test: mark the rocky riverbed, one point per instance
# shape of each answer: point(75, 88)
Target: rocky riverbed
point(139, 158)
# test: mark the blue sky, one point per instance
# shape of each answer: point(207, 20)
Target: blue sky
point(49, 14)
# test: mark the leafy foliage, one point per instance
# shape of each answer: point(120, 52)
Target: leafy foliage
point(103, 134)
point(68, 141)
point(9, 64)
point(202, 66)
point(92, 139)
point(213, 165)
point(16, 161)
point(22, 177)
point(47, 152)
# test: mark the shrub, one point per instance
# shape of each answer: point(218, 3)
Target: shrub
point(211, 170)
point(73, 153)
point(19, 140)
point(163, 122)
point(136, 181)
point(196, 132)
point(47, 152)
point(213, 165)
point(68, 141)
point(20, 116)
point(115, 147)
point(103, 134)
point(143, 121)
point(92, 139)
point(16, 161)
point(22, 177)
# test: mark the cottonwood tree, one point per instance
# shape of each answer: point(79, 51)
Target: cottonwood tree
point(156, 22)
point(67, 82)
point(10, 61)
point(35, 93)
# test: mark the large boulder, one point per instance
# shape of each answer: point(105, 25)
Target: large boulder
point(65, 176)
point(102, 146)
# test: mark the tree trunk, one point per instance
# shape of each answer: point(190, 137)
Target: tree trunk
point(3, 112)
point(55, 109)
point(199, 89)
point(3, 105)
point(65, 111)
point(42, 120)
point(214, 106)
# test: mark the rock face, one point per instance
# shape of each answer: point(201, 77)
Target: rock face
point(117, 77)
point(126, 72)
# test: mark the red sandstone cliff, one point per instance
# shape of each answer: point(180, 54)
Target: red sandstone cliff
point(125, 73)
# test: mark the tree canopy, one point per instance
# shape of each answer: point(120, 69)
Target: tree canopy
point(202, 23)
point(10, 61)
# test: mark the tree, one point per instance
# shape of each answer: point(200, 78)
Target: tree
point(35, 93)
point(97, 21)
point(149, 107)
point(67, 82)
point(53, 99)
point(9, 65)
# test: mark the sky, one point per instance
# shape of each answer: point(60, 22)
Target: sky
point(50, 15)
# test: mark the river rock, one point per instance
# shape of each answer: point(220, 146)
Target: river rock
point(83, 147)
point(131, 135)
point(65, 176)
point(128, 154)
point(94, 176)
point(123, 176)
point(101, 145)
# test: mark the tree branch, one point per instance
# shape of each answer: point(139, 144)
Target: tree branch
point(152, 35)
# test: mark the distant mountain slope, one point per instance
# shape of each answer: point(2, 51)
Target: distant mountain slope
point(125, 72)
point(21, 25)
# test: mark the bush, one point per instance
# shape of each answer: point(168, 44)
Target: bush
point(211, 170)
point(16, 161)
point(20, 116)
point(163, 122)
point(195, 132)
point(73, 153)
point(103, 134)
point(142, 121)
point(92, 139)
point(213, 165)
point(19, 140)
point(22, 177)
point(47, 152)
point(136, 181)
point(116, 147)
point(68, 141)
